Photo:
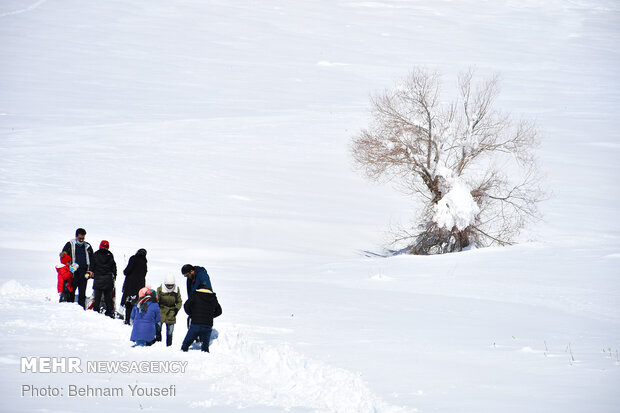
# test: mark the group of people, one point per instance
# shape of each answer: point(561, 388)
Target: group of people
point(146, 309)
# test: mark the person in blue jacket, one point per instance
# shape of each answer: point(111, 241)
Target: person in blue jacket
point(195, 276)
point(145, 316)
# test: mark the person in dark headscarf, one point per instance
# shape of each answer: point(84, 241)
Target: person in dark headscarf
point(135, 280)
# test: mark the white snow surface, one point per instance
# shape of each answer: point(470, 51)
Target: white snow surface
point(217, 133)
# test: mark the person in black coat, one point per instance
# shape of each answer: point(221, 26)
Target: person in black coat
point(202, 306)
point(135, 280)
point(104, 268)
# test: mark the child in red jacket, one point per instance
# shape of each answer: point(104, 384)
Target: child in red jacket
point(65, 277)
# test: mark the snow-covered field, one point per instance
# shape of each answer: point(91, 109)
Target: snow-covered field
point(217, 133)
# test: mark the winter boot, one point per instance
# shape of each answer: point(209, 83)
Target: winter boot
point(168, 341)
point(157, 332)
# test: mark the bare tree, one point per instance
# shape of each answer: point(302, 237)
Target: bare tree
point(472, 167)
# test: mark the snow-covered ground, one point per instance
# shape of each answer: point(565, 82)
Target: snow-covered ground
point(217, 133)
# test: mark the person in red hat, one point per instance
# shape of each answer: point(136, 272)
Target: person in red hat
point(104, 268)
point(65, 277)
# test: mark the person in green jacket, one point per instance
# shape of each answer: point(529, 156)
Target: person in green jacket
point(169, 305)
